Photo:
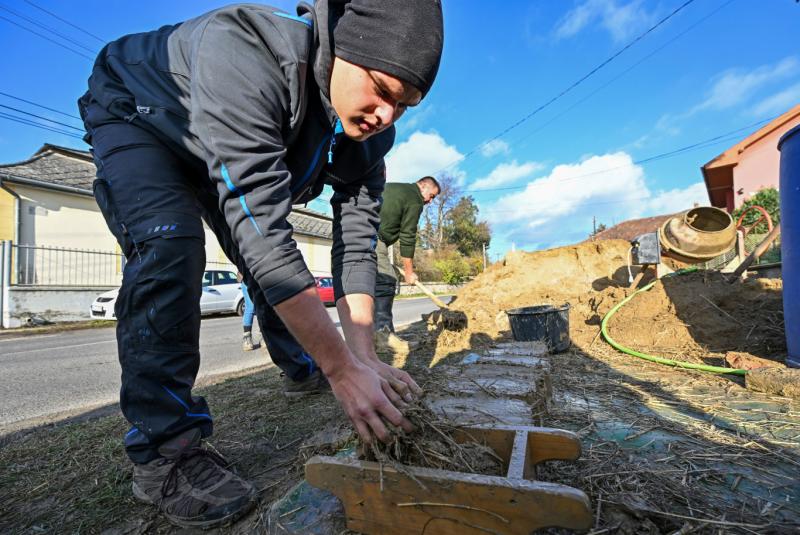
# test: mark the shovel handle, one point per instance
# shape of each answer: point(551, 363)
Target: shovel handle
point(426, 291)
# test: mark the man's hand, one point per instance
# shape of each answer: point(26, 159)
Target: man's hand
point(408, 270)
point(367, 398)
point(401, 382)
point(355, 315)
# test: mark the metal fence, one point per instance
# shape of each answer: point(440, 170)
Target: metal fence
point(34, 265)
point(751, 241)
point(62, 266)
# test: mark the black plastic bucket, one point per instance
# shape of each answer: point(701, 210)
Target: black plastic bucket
point(543, 323)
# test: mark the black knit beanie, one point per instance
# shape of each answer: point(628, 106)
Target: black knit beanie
point(399, 37)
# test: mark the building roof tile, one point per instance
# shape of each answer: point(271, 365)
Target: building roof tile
point(628, 230)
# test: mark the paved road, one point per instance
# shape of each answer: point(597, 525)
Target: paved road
point(46, 375)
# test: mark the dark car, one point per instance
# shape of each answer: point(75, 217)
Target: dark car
point(325, 290)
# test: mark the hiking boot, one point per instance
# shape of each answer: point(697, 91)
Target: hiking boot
point(191, 485)
point(316, 383)
point(248, 344)
point(382, 313)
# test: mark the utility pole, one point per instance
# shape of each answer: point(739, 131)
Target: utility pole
point(594, 225)
point(484, 256)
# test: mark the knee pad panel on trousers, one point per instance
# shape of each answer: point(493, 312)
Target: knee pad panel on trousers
point(160, 295)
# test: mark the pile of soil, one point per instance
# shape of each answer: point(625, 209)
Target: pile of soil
point(696, 317)
point(703, 317)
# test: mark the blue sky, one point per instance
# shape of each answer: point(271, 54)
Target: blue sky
point(717, 67)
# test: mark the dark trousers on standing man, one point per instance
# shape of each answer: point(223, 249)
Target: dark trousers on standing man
point(154, 199)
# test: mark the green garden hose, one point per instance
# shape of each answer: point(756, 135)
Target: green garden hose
point(653, 358)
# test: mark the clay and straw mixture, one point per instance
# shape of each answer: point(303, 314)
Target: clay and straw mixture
point(432, 445)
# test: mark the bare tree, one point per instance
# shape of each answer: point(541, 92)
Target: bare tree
point(432, 234)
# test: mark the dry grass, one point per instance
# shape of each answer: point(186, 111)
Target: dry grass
point(432, 445)
point(75, 477)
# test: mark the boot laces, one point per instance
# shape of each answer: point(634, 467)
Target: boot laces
point(199, 466)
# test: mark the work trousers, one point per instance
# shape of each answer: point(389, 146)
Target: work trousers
point(386, 277)
point(154, 200)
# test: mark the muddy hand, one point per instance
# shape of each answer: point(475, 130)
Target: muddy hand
point(365, 397)
point(401, 382)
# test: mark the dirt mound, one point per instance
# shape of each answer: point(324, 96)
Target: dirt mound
point(698, 316)
point(555, 276)
point(701, 316)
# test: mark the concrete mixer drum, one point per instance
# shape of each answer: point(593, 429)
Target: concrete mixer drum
point(697, 235)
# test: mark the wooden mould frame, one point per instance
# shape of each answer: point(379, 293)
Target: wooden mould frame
point(381, 500)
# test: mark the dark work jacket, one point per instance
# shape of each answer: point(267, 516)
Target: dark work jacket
point(236, 89)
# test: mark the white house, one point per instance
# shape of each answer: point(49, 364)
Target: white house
point(47, 207)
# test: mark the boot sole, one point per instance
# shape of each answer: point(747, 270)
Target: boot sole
point(252, 499)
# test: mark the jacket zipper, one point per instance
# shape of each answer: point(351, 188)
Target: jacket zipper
point(300, 189)
point(337, 129)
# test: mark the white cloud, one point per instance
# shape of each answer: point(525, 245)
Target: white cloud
point(676, 200)
point(779, 102)
point(622, 21)
point(424, 153)
point(494, 147)
point(506, 173)
point(558, 209)
point(575, 20)
point(414, 118)
point(736, 86)
point(666, 126)
point(568, 187)
point(731, 88)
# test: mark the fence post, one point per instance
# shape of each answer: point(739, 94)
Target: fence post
point(5, 283)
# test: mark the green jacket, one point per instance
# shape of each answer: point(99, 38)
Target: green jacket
point(400, 211)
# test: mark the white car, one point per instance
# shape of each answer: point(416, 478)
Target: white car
point(221, 293)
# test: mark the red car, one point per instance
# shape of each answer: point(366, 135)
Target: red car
point(325, 290)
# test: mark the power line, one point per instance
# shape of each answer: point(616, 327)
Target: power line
point(49, 29)
point(571, 87)
point(66, 21)
point(62, 45)
point(614, 79)
point(700, 144)
point(41, 117)
point(40, 106)
point(37, 125)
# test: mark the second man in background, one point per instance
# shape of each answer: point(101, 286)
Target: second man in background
point(402, 205)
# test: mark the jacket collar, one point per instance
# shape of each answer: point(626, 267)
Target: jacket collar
point(325, 14)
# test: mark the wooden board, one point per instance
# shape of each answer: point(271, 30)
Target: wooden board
point(451, 503)
point(382, 500)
